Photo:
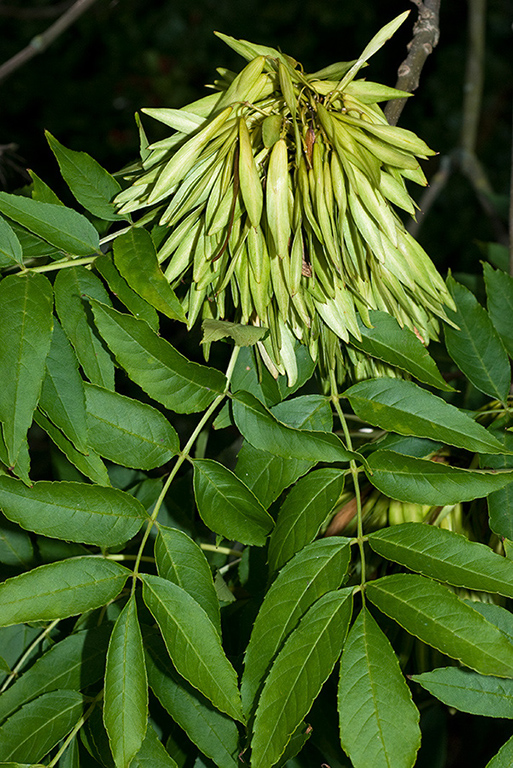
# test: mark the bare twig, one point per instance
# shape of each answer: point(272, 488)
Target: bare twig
point(45, 12)
point(474, 74)
point(426, 33)
point(41, 42)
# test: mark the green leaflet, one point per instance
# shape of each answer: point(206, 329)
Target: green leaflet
point(62, 396)
point(136, 259)
point(125, 707)
point(260, 428)
point(39, 725)
point(402, 406)
point(193, 643)
point(138, 306)
point(476, 347)
point(90, 184)
point(379, 723)
point(89, 465)
point(500, 503)
point(469, 692)
point(317, 569)
point(504, 756)
point(127, 431)
point(267, 475)
point(433, 613)
point(297, 675)
point(26, 331)
point(73, 663)
point(445, 556)
point(421, 481)
point(398, 346)
point(180, 560)
point(213, 732)
point(60, 589)
point(153, 364)
point(72, 511)
point(11, 251)
point(152, 753)
point(227, 506)
point(41, 191)
point(62, 227)
point(499, 293)
point(73, 287)
point(304, 510)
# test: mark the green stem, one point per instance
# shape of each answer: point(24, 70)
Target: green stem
point(27, 653)
point(69, 738)
point(64, 264)
point(335, 397)
point(183, 456)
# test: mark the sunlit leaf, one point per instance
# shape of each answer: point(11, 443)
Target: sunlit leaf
point(319, 568)
point(60, 589)
point(125, 707)
point(379, 723)
point(297, 675)
point(193, 643)
point(437, 616)
point(26, 332)
point(227, 506)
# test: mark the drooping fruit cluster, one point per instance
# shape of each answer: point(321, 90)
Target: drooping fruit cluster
point(277, 192)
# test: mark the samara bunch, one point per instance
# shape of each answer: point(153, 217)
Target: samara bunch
point(276, 194)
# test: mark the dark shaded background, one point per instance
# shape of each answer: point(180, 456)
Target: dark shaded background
point(124, 55)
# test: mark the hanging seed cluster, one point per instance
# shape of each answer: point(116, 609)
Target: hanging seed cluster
point(276, 196)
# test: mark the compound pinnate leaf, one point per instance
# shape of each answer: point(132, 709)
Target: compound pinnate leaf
point(297, 675)
point(136, 258)
point(152, 363)
point(193, 643)
point(61, 589)
point(180, 560)
point(476, 347)
point(38, 726)
point(302, 513)
point(263, 430)
point(319, 568)
point(26, 329)
point(379, 724)
point(62, 227)
point(127, 431)
point(470, 692)
point(213, 732)
point(445, 556)
point(73, 287)
point(125, 708)
point(227, 506)
point(398, 346)
point(90, 184)
point(404, 407)
point(62, 396)
point(421, 481)
point(71, 664)
point(437, 616)
point(79, 512)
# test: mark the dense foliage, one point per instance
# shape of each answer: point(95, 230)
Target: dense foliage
point(219, 564)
